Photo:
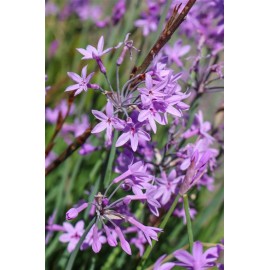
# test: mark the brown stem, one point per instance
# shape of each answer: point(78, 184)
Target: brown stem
point(59, 125)
point(79, 141)
point(173, 23)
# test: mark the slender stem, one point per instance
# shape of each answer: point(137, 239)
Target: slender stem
point(108, 81)
point(107, 178)
point(75, 252)
point(141, 266)
point(114, 191)
point(189, 226)
point(117, 82)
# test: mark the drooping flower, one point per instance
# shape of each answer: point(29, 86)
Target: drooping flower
point(198, 260)
point(82, 82)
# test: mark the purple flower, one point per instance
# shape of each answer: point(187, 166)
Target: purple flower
point(198, 260)
point(174, 53)
point(118, 11)
point(72, 234)
point(88, 53)
point(94, 239)
point(53, 114)
point(182, 214)
point(108, 121)
point(166, 266)
point(150, 196)
point(134, 133)
point(152, 91)
point(199, 127)
point(167, 185)
point(148, 24)
point(82, 82)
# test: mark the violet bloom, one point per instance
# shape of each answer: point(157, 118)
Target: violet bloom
point(165, 266)
point(167, 185)
point(198, 260)
point(152, 91)
point(108, 121)
point(82, 82)
point(199, 127)
point(149, 196)
point(98, 52)
point(134, 133)
point(175, 52)
point(94, 239)
point(52, 115)
point(149, 24)
point(119, 10)
point(182, 214)
point(72, 234)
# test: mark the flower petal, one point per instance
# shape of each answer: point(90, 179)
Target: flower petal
point(99, 127)
point(122, 139)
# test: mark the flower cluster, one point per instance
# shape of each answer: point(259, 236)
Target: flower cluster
point(156, 145)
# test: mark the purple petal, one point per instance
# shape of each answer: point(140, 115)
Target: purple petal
point(124, 244)
point(64, 238)
point(134, 142)
point(100, 44)
point(79, 226)
point(184, 256)
point(184, 50)
point(143, 115)
point(143, 135)
point(153, 124)
point(170, 109)
point(122, 139)
point(197, 251)
point(99, 127)
point(148, 81)
point(84, 72)
point(75, 77)
point(99, 115)
point(72, 87)
point(109, 109)
point(71, 246)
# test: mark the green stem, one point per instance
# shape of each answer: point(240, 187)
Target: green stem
point(75, 252)
point(189, 226)
point(107, 178)
point(162, 226)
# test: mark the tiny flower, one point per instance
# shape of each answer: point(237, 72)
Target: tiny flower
point(82, 82)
